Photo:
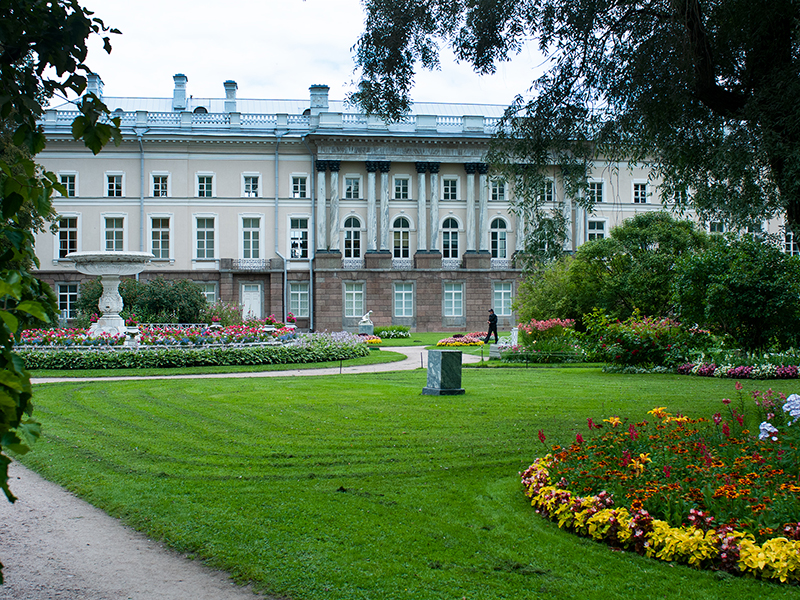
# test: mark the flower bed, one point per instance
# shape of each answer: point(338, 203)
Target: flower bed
point(702, 492)
point(763, 371)
point(466, 339)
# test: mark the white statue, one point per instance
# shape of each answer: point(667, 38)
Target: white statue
point(365, 320)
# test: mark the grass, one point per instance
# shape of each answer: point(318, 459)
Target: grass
point(358, 487)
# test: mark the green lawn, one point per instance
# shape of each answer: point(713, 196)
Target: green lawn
point(359, 487)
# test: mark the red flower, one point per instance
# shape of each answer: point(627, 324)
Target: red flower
point(541, 436)
point(579, 438)
point(726, 430)
point(667, 471)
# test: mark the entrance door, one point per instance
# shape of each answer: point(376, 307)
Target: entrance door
point(251, 301)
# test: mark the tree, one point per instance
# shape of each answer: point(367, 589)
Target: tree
point(744, 288)
point(707, 92)
point(42, 53)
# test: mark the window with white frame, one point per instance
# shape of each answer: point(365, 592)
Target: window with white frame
point(205, 186)
point(204, 238)
point(353, 298)
point(501, 296)
point(549, 191)
point(250, 186)
point(251, 234)
point(159, 237)
point(69, 181)
point(596, 230)
point(209, 290)
point(453, 299)
point(403, 299)
point(352, 237)
point(790, 244)
point(299, 186)
point(401, 188)
point(115, 234)
point(498, 190)
point(352, 188)
point(298, 238)
point(401, 237)
point(160, 186)
point(639, 193)
point(68, 300)
point(114, 187)
point(499, 238)
point(595, 192)
point(67, 235)
point(450, 238)
point(449, 188)
point(716, 227)
point(298, 299)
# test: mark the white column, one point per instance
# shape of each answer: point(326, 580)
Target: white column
point(483, 207)
point(569, 222)
point(322, 201)
point(372, 215)
point(422, 216)
point(520, 226)
point(434, 169)
point(470, 168)
point(384, 167)
point(333, 165)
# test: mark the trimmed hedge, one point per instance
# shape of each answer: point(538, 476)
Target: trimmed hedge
point(194, 357)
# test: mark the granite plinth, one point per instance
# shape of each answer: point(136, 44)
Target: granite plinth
point(366, 328)
point(444, 373)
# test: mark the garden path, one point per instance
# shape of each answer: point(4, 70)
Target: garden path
point(56, 546)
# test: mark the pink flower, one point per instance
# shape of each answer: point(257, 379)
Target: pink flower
point(667, 471)
point(738, 386)
point(579, 438)
point(726, 430)
point(717, 419)
point(725, 401)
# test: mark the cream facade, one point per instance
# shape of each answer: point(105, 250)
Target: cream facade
point(307, 207)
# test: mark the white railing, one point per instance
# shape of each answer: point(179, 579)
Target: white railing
point(352, 264)
point(402, 264)
point(501, 264)
point(250, 264)
point(451, 263)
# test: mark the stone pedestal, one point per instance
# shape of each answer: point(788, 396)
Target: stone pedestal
point(327, 260)
point(444, 373)
point(378, 260)
point(366, 328)
point(477, 260)
point(428, 260)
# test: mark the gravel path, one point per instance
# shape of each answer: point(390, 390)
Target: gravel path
point(55, 546)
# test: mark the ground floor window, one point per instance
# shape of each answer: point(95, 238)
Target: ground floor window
point(501, 296)
point(403, 299)
point(453, 299)
point(68, 300)
point(209, 291)
point(298, 299)
point(597, 230)
point(353, 299)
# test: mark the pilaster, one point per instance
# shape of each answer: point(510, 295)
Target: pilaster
point(433, 167)
point(384, 167)
point(333, 238)
point(483, 207)
point(372, 215)
point(422, 213)
point(322, 200)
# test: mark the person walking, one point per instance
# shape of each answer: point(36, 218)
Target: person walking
point(492, 327)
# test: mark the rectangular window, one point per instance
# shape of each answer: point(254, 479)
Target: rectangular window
point(403, 299)
point(352, 187)
point(299, 189)
point(209, 291)
point(251, 228)
point(205, 186)
point(498, 191)
point(453, 299)
point(298, 299)
point(353, 299)
point(450, 188)
point(549, 192)
point(401, 243)
point(298, 238)
point(595, 191)
point(639, 193)
point(68, 181)
point(67, 236)
point(114, 186)
point(160, 186)
point(597, 230)
point(716, 227)
point(115, 232)
point(499, 243)
point(251, 186)
point(501, 292)
point(401, 188)
point(790, 244)
point(68, 300)
point(449, 243)
point(159, 227)
point(205, 238)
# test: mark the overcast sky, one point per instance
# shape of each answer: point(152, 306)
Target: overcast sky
point(273, 49)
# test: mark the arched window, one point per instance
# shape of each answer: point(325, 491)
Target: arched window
point(450, 238)
point(352, 237)
point(200, 110)
point(499, 243)
point(402, 229)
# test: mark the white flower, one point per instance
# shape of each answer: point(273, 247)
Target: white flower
point(767, 430)
point(792, 406)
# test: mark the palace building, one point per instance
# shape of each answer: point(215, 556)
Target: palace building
point(308, 207)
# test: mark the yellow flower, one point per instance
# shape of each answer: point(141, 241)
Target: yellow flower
point(659, 411)
point(614, 421)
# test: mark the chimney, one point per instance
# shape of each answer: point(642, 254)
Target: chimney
point(94, 85)
point(179, 95)
point(230, 96)
point(319, 99)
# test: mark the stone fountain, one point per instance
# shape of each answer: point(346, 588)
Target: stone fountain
point(110, 266)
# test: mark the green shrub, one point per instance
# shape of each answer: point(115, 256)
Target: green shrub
point(227, 313)
point(393, 331)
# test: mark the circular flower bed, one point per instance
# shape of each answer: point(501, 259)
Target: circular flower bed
point(466, 339)
point(704, 492)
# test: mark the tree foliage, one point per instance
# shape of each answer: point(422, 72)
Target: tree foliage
point(42, 53)
point(706, 92)
point(744, 288)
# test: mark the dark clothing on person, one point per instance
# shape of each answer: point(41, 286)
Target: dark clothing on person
point(492, 329)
